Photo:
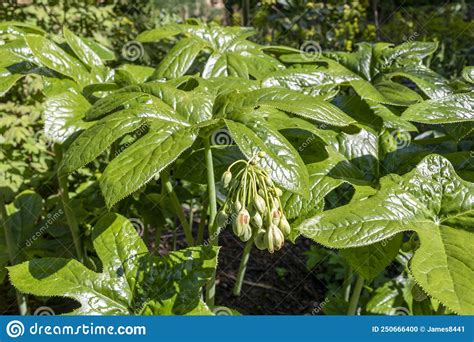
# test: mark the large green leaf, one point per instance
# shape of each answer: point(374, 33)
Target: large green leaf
point(159, 33)
point(194, 106)
point(16, 51)
point(53, 57)
point(82, 50)
point(324, 177)
point(397, 94)
point(309, 107)
point(369, 261)
point(362, 150)
point(130, 280)
point(22, 216)
point(19, 28)
point(285, 165)
point(430, 200)
point(92, 142)
point(180, 58)
point(113, 102)
point(7, 80)
point(431, 83)
point(64, 115)
point(144, 159)
point(408, 50)
point(231, 54)
point(468, 74)
point(450, 109)
point(390, 119)
point(301, 78)
point(358, 62)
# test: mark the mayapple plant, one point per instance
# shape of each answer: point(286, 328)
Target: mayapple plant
point(302, 129)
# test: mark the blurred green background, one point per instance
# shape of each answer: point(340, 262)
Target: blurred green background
point(334, 25)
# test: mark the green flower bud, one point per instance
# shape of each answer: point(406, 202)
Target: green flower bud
point(278, 238)
point(276, 216)
point(284, 226)
point(246, 234)
point(268, 240)
point(237, 206)
point(259, 203)
point(278, 192)
point(261, 154)
point(261, 192)
point(236, 228)
point(257, 220)
point(269, 181)
point(260, 240)
point(242, 222)
point(226, 178)
point(221, 218)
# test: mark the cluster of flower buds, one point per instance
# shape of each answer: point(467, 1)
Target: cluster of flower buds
point(254, 205)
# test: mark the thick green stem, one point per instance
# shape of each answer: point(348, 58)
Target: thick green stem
point(202, 223)
point(70, 216)
point(13, 254)
point(213, 238)
point(178, 208)
point(347, 283)
point(243, 267)
point(355, 296)
point(191, 213)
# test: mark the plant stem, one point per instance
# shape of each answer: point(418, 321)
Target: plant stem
point(347, 283)
point(202, 223)
point(178, 208)
point(13, 254)
point(355, 296)
point(213, 240)
point(145, 231)
point(70, 216)
point(191, 213)
point(242, 267)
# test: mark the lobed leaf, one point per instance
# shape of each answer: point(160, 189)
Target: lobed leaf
point(430, 200)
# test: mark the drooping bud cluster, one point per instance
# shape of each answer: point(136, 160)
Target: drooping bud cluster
point(254, 206)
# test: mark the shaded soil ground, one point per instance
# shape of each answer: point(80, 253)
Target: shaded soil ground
point(275, 284)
